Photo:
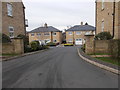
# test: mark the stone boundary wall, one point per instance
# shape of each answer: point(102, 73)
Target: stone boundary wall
point(101, 46)
point(16, 47)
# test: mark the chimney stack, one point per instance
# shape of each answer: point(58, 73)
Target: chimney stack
point(45, 25)
point(81, 23)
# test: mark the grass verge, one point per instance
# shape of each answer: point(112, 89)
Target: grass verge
point(110, 60)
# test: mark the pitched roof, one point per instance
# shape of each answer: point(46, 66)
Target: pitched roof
point(45, 29)
point(81, 28)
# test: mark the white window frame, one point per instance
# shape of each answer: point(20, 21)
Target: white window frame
point(70, 33)
point(54, 33)
point(9, 9)
point(38, 34)
point(79, 39)
point(103, 4)
point(78, 33)
point(70, 40)
point(11, 32)
point(102, 25)
point(46, 34)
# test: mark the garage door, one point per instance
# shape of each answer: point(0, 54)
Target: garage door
point(78, 42)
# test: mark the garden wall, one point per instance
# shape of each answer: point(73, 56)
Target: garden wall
point(103, 46)
point(16, 46)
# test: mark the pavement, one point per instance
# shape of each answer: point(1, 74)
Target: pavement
point(59, 67)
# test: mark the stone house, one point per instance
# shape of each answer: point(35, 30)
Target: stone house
point(13, 19)
point(108, 17)
point(76, 34)
point(45, 34)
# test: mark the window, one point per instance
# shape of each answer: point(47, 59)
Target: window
point(102, 26)
point(78, 33)
point(32, 34)
point(78, 39)
point(46, 34)
point(54, 34)
point(70, 33)
point(9, 9)
point(88, 33)
point(11, 32)
point(70, 40)
point(54, 40)
point(103, 4)
point(38, 34)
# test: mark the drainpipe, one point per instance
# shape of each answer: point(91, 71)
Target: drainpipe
point(96, 18)
point(113, 19)
point(73, 38)
point(51, 36)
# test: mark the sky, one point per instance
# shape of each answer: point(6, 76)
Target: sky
point(60, 14)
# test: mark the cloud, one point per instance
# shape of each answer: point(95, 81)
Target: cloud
point(59, 13)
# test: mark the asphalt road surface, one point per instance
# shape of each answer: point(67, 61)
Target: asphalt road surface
point(56, 68)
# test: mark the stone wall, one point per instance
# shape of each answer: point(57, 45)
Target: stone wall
point(16, 47)
point(101, 46)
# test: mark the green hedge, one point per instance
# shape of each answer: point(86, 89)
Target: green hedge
point(103, 36)
point(35, 45)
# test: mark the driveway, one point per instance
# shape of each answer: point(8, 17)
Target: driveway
point(56, 68)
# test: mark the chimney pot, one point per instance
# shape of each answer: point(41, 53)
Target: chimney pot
point(45, 25)
point(81, 23)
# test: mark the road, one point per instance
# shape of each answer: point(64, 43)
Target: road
point(56, 68)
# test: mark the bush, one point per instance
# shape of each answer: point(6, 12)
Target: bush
point(51, 44)
point(103, 36)
point(45, 47)
point(83, 48)
point(35, 45)
point(28, 49)
point(4, 38)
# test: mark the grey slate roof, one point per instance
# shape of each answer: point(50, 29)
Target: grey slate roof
point(44, 29)
point(81, 28)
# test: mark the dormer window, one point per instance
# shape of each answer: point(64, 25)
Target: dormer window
point(9, 9)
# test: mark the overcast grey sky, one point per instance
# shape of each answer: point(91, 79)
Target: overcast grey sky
point(59, 13)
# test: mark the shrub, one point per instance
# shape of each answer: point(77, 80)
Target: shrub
point(51, 44)
point(103, 36)
point(4, 38)
point(45, 47)
point(28, 49)
point(83, 48)
point(35, 45)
